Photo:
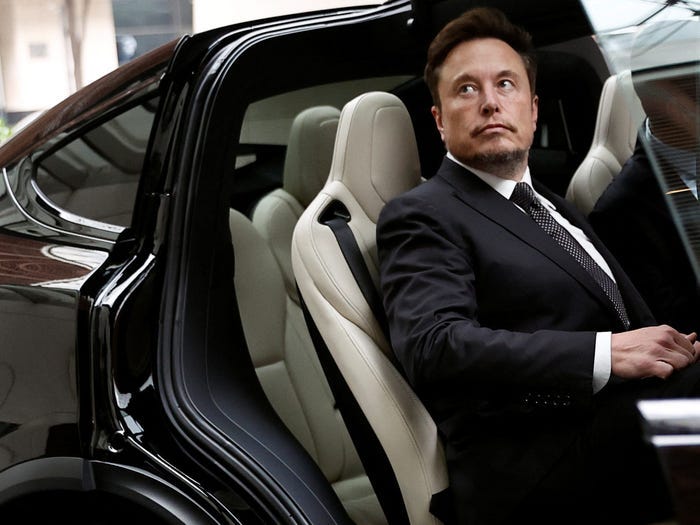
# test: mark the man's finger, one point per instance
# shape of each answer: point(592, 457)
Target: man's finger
point(662, 369)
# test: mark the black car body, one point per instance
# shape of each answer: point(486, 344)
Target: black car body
point(126, 387)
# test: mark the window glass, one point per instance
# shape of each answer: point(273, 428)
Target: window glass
point(95, 176)
point(656, 46)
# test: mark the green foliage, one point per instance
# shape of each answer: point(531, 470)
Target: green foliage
point(5, 130)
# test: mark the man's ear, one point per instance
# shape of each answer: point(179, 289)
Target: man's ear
point(438, 121)
point(535, 110)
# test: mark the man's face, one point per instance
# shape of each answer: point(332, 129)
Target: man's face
point(488, 115)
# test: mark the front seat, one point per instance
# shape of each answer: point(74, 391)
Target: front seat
point(619, 116)
point(375, 158)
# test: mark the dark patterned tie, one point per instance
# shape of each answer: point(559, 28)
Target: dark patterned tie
point(524, 196)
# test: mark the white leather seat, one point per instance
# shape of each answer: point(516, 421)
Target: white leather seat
point(306, 166)
point(273, 322)
point(375, 158)
point(290, 373)
point(620, 115)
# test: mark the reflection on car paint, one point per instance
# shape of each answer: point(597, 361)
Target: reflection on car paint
point(29, 262)
point(38, 401)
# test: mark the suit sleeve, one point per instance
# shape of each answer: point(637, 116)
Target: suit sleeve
point(428, 283)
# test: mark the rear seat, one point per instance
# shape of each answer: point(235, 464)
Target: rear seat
point(273, 322)
point(306, 167)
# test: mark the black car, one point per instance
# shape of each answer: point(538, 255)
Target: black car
point(155, 363)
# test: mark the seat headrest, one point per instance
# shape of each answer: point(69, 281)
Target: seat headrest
point(619, 116)
point(375, 155)
point(309, 152)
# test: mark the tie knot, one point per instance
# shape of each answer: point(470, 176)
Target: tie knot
point(523, 195)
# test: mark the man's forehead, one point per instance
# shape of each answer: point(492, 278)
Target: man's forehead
point(483, 42)
point(465, 62)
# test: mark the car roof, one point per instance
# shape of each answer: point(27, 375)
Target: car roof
point(549, 21)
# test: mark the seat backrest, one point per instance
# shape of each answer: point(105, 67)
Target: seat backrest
point(375, 158)
point(306, 166)
point(620, 115)
point(289, 371)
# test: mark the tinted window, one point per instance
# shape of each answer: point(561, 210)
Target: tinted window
point(95, 176)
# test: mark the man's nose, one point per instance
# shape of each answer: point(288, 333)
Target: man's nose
point(489, 103)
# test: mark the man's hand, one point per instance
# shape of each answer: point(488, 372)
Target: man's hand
point(652, 351)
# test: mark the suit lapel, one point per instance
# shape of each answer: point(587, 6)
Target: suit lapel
point(637, 309)
point(478, 195)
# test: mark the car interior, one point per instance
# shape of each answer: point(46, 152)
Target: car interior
point(383, 121)
point(266, 340)
point(279, 342)
point(620, 114)
point(375, 158)
point(351, 334)
point(319, 352)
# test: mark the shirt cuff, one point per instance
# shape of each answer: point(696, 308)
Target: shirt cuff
point(602, 360)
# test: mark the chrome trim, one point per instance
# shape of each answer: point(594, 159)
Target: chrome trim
point(67, 216)
point(36, 221)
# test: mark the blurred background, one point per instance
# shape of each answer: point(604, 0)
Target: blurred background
point(50, 48)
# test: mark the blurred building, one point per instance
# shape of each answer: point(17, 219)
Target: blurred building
point(49, 48)
point(142, 25)
point(208, 14)
point(37, 66)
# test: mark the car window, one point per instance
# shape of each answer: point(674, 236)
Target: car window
point(658, 45)
point(95, 175)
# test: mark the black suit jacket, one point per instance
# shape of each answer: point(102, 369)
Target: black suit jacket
point(632, 217)
point(494, 325)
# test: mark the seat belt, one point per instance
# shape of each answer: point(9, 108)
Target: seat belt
point(372, 455)
point(374, 459)
point(337, 221)
point(378, 468)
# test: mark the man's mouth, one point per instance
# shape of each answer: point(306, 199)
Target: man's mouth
point(493, 127)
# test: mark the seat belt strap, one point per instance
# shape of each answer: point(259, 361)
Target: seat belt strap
point(351, 252)
point(372, 455)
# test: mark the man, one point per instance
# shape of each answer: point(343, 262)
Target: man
point(633, 212)
point(529, 365)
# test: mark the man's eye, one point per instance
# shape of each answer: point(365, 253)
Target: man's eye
point(467, 88)
point(507, 84)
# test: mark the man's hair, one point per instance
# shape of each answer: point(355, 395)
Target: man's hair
point(480, 22)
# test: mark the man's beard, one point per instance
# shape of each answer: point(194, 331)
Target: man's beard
point(504, 164)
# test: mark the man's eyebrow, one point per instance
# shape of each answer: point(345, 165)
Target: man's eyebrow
point(465, 77)
point(509, 73)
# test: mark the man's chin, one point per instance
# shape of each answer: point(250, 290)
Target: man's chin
point(501, 163)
